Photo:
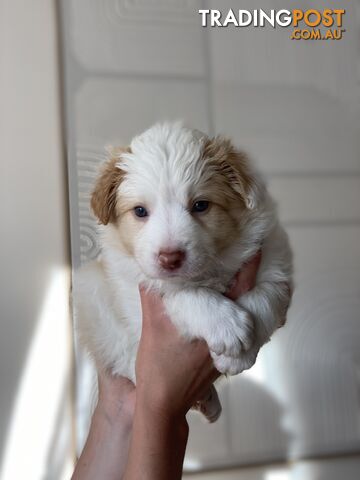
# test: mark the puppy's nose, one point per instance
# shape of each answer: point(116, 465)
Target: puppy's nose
point(171, 260)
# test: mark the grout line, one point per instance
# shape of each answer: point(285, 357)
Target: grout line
point(144, 76)
point(275, 463)
point(347, 174)
point(321, 223)
point(208, 76)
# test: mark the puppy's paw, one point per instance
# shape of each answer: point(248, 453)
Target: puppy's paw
point(211, 412)
point(233, 333)
point(232, 366)
point(210, 405)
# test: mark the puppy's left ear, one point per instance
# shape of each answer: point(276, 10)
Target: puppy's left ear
point(235, 167)
point(104, 196)
point(243, 178)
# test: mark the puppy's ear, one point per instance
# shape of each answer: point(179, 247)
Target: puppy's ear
point(103, 198)
point(243, 179)
point(234, 166)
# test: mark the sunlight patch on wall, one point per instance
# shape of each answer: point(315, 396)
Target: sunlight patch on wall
point(279, 474)
point(41, 389)
point(256, 372)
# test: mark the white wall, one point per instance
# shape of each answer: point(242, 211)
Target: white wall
point(35, 341)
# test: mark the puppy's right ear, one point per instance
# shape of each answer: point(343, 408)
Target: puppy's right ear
point(103, 198)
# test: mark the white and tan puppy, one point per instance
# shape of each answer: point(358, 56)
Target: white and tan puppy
point(182, 212)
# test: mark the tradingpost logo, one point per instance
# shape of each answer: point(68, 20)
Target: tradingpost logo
point(308, 24)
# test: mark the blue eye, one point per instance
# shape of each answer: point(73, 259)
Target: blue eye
point(140, 211)
point(200, 206)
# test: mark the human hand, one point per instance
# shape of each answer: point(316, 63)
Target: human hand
point(245, 278)
point(172, 373)
point(116, 398)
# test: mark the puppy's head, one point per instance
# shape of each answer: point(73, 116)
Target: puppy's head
point(175, 200)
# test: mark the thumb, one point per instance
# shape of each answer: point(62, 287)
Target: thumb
point(151, 305)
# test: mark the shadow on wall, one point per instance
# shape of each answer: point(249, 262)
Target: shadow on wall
point(250, 430)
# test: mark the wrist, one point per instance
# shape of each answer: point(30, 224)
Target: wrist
point(158, 441)
point(115, 410)
point(116, 399)
point(159, 403)
point(159, 411)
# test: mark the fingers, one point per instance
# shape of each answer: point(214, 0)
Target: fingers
point(207, 362)
point(245, 279)
point(149, 299)
point(156, 320)
point(248, 274)
point(207, 382)
point(151, 305)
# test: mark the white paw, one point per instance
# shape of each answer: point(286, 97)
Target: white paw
point(233, 331)
point(212, 414)
point(232, 366)
point(210, 406)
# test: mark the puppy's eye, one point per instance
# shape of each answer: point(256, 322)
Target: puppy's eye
point(140, 211)
point(200, 206)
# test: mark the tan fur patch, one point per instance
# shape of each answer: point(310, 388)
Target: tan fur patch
point(232, 165)
point(103, 199)
point(221, 225)
point(129, 226)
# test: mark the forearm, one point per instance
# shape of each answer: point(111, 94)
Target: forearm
point(158, 445)
point(106, 450)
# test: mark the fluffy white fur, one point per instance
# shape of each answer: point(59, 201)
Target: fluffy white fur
point(164, 169)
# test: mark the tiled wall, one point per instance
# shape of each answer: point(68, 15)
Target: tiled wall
point(295, 107)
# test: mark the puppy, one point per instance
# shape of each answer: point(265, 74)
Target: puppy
point(182, 212)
